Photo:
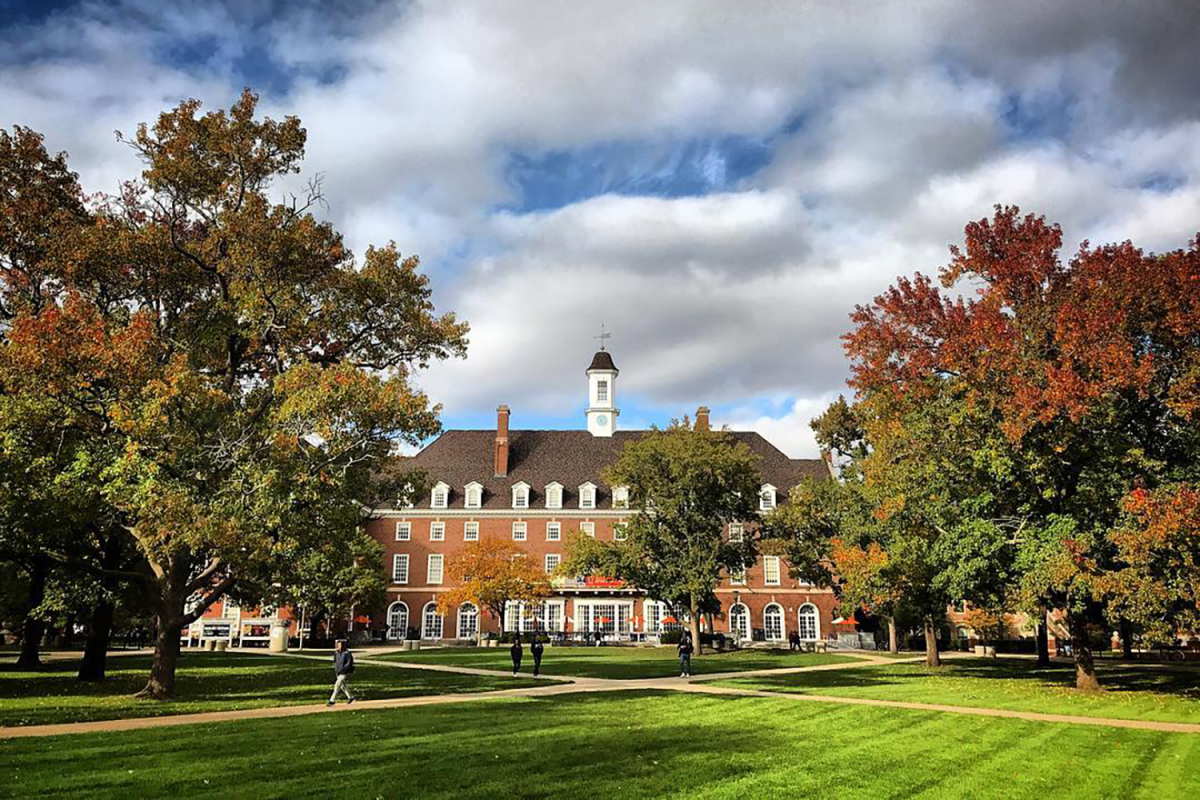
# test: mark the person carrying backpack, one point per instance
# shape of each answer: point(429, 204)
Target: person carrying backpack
point(343, 668)
point(516, 651)
point(685, 655)
point(536, 648)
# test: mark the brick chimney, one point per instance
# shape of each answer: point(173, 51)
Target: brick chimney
point(502, 442)
point(702, 418)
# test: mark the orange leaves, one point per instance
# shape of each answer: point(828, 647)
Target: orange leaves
point(490, 573)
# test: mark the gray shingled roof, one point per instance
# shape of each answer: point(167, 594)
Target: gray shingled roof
point(602, 360)
point(571, 458)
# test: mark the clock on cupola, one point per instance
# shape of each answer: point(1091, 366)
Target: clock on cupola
point(602, 411)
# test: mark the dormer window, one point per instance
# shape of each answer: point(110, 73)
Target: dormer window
point(620, 497)
point(520, 495)
point(474, 493)
point(441, 496)
point(587, 495)
point(554, 495)
point(766, 498)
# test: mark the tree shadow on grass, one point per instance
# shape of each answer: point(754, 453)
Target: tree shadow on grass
point(1178, 683)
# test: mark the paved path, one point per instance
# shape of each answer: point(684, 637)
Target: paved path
point(697, 684)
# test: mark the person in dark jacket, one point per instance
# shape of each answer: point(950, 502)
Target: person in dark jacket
point(794, 640)
point(535, 649)
point(343, 668)
point(685, 655)
point(517, 652)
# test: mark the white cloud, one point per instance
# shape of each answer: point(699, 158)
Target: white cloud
point(892, 125)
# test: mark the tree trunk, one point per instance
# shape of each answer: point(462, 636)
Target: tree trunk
point(161, 685)
point(95, 651)
point(34, 628)
point(1126, 639)
point(1043, 642)
point(893, 636)
point(694, 627)
point(932, 658)
point(1085, 668)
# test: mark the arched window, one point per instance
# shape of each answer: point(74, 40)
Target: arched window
point(468, 621)
point(809, 623)
point(432, 628)
point(397, 618)
point(739, 621)
point(773, 622)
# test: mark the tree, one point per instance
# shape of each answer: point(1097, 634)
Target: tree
point(1089, 370)
point(1155, 584)
point(249, 373)
point(685, 486)
point(490, 574)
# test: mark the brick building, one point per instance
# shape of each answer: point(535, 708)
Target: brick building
point(534, 487)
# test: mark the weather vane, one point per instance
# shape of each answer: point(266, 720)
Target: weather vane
point(602, 335)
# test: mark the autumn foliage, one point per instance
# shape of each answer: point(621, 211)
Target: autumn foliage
point(491, 573)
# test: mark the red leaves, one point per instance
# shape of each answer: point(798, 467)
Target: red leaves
point(1041, 340)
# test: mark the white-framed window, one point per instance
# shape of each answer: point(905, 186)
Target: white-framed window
point(601, 391)
point(397, 620)
point(737, 575)
point(589, 528)
point(468, 621)
point(431, 627)
point(400, 568)
point(773, 622)
point(766, 498)
point(434, 573)
point(554, 495)
point(403, 531)
point(619, 531)
point(620, 497)
point(520, 531)
point(809, 623)
point(587, 495)
point(441, 496)
point(553, 531)
point(470, 531)
point(737, 532)
point(437, 531)
point(552, 562)
point(520, 495)
point(771, 570)
point(739, 622)
point(473, 492)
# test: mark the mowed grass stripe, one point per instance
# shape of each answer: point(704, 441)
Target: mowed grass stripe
point(210, 682)
point(627, 744)
point(1132, 693)
point(619, 663)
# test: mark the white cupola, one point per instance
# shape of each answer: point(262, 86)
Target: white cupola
point(602, 408)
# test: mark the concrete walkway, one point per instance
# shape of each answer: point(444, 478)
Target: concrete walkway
point(697, 684)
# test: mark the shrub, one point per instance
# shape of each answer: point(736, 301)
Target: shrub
point(671, 637)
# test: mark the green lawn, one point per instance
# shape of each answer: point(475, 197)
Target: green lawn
point(1151, 693)
point(617, 662)
point(208, 682)
point(630, 744)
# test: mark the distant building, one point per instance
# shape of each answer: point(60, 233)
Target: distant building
point(535, 486)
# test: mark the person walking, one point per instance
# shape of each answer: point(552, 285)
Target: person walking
point(343, 668)
point(536, 648)
point(517, 652)
point(685, 655)
point(794, 640)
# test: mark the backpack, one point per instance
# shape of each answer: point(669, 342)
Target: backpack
point(349, 668)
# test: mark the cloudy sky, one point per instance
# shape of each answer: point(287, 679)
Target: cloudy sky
point(718, 182)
